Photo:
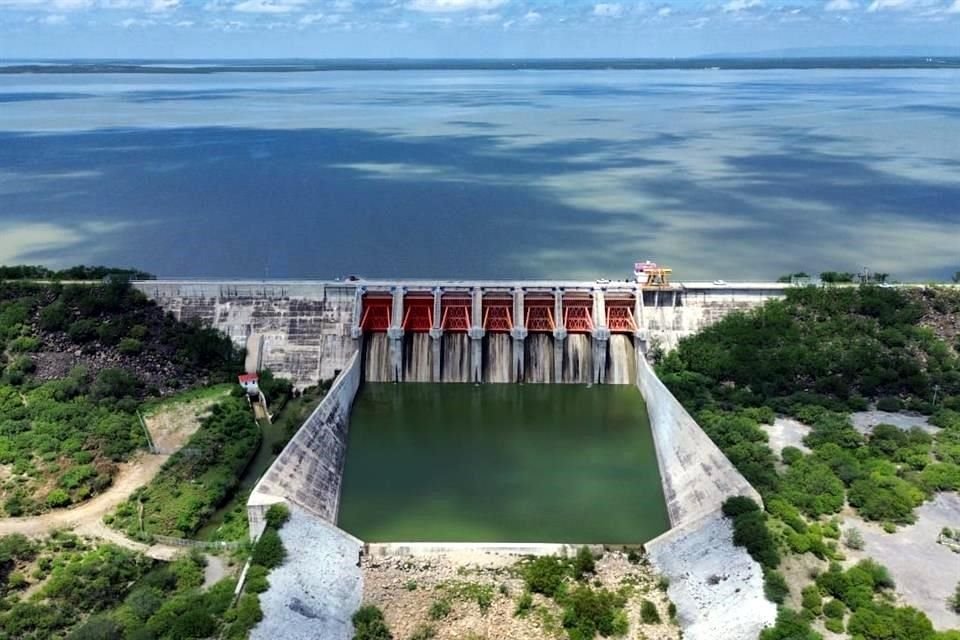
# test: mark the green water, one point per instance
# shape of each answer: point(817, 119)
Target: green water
point(501, 463)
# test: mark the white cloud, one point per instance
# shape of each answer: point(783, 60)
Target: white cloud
point(896, 5)
point(56, 18)
point(71, 5)
point(840, 5)
point(445, 6)
point(663, 12)
point(608, 9)
point(160, 6)
point(955, 7)
point(532, 16)
point(185, 24)
point(129, 23)
point(268, 6)
point(735, 6)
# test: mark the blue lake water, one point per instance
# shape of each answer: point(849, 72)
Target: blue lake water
point(484, 173)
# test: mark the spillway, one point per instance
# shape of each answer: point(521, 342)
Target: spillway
point(621, 360)
point(376, 358)
point(497, 358)
point(455, 360)
point(538, 357)
point(417, 358)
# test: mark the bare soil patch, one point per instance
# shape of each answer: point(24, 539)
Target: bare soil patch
point(865, 421)
point(925, 572)
point(406, 589)
point(787, 432)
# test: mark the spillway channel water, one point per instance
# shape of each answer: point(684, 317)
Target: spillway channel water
point(501, 463)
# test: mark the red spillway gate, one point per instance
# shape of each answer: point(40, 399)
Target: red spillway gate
point(418, 314)
point(540, 315)
point(455, 313)
point(498, 315)
point(376, 313)
point(620, 317)
point(578, 316)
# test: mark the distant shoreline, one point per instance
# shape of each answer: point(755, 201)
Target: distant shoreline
point(638, 64)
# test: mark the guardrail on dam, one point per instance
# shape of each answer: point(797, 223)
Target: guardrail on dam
point(454, 331)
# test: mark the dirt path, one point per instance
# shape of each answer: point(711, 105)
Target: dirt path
point(173, 426)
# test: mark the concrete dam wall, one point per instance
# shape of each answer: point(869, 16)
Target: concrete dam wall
point(697, 478)
point(454, 331)
point(309, 470)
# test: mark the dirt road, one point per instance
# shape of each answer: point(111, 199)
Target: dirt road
point(172, 426)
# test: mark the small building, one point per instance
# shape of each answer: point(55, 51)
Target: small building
point(250, 384)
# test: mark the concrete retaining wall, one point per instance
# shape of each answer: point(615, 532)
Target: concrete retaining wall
point(308, 472)
point(716, 586)
point(300, 330)
point(696, 476)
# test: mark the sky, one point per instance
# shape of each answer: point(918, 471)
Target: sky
point(462, 28)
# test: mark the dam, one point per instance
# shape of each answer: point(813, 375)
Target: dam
point(454, 331)
point(424, 466)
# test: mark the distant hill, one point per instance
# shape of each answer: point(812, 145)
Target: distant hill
point(898, 51)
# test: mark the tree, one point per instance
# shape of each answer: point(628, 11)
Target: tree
point(956, 277)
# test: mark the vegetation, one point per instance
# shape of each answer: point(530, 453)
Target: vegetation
point(81, 272)
point(106, 592)
point(368, 624)
point(62, 433)
point(818, 355)
point(195, 480)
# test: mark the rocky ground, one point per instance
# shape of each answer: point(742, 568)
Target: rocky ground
point(58, 355)
point(407, 588)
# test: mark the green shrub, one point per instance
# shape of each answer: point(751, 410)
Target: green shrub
point(791, 455)
point(277, 515)
point(545, 574)
point(257, 581)
point(24, 344)
point(368, 624)
point(790, 625)
point(834, 609)
point(834, 624)
point(440, 609)
point(588, 612)
point(424, 632)
point(890, 403)
point(97, 628)
point(57, 498)
point(775, 586)
point(524, 604)
point(811, 600)
point(583, 563)
point(130, 346)
point(953, 602)
point(649, 613)
point(738, 505)
point(750, 531)
point(269, 551)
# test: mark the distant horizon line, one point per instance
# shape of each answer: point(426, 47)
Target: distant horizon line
point(711, 56)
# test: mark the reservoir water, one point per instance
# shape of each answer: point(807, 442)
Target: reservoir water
point(484, 173)
point(501, 463)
